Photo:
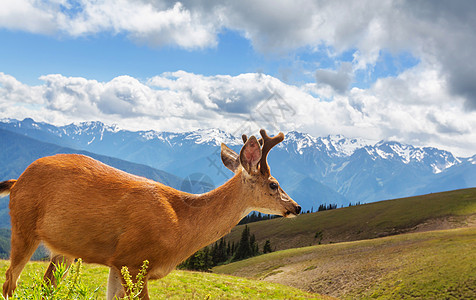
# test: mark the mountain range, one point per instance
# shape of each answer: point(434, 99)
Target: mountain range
point(313, 170)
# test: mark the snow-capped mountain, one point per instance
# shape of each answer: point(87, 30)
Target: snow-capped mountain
point(313, 170)
point(333, 145)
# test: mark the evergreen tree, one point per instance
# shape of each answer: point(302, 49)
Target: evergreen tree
point(244, 249)
point(253, 245)
point(220, 255)
point(267, 247)
point(228, 249)
point(200, 261)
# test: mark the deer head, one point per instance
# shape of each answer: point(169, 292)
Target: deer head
point(266, 195)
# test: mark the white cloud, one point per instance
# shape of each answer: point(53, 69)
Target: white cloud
point(339, 80)
point(415, 107)
point(174, 25)
point(142, 21)
point(433, 103)
point(17, 92)
point(438, 33)
point(27, 15)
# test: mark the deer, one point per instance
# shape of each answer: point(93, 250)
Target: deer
point(79, 207)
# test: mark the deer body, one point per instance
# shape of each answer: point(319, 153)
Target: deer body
point(79, 207)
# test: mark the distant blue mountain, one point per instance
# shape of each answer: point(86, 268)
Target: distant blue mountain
point(313, 170)
point(17, 152)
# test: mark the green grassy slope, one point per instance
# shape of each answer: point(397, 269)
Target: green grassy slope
point(435, 265)
point(180, 284)
point(365, 221)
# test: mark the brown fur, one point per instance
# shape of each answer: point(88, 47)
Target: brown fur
point(79, 207)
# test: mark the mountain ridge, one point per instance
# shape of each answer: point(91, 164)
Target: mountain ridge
point(316, 170)
point(17, 152)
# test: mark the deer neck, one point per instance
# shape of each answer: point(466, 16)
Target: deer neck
point(208, 217)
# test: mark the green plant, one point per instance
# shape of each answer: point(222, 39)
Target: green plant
point(69, 286)
point(134, 290)
point(177, 285)
point(318, 236)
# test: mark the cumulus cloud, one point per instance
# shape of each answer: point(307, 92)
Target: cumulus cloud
point(419, 107)
point(27, 15)
point(153, 23)
point(438, 33)
point(339, 80)
point(433, 103)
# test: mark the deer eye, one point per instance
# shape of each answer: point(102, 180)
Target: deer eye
point(273, 185)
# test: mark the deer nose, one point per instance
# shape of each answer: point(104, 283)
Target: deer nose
point(298, 210)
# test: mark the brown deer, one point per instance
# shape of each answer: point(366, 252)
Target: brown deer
point(80, 207)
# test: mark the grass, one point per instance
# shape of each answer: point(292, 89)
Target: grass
point(366, 221)
point(437, 264)
point(353, 261)
point(179, 284)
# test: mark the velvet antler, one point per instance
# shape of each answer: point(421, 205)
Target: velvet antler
point(268, 143)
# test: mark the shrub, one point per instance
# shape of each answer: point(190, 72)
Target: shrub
point(69, 285)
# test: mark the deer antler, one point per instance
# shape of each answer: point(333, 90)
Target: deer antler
point(268, 143)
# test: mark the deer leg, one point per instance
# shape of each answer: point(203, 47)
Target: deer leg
point(144, 295)
point(22, 249)
point(55, 260)
point(114, 284)
point(115, 287)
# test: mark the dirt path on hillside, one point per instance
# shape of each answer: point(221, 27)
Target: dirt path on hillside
point(334, 275)
point(354, 270)
point(450, 222)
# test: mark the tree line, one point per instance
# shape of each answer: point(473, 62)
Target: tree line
point(257, 216)
point(224, 252)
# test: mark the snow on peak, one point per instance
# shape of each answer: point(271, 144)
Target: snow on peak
point(344, 146)
point(472, 160)
point(333, 145)
point(407, 153)
point(212, 136)
point(398, 151)
point(440, 159)
point(201, 136)
point(152, 134)
point(301, 141)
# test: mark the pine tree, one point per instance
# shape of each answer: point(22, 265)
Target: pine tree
point(253, 245)
point(244, 249)
point(229, 251)
point(221, 255)
point(267, 247)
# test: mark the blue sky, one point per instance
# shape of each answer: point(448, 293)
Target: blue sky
point(394, 70)
point(104, 56)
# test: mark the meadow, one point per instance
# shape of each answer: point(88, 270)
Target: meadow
point(177, 285)
point(417, 247)
point(429, 265)
point(444, 210)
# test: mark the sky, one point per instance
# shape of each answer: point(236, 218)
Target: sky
point(377, 70)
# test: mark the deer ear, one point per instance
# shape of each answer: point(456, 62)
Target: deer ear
point(229, 158)
point(250, 155)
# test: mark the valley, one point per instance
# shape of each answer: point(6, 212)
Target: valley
point(419, 244)
point(312, 170)
point(446, 210)
point(425, 265)
point(417, 247)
